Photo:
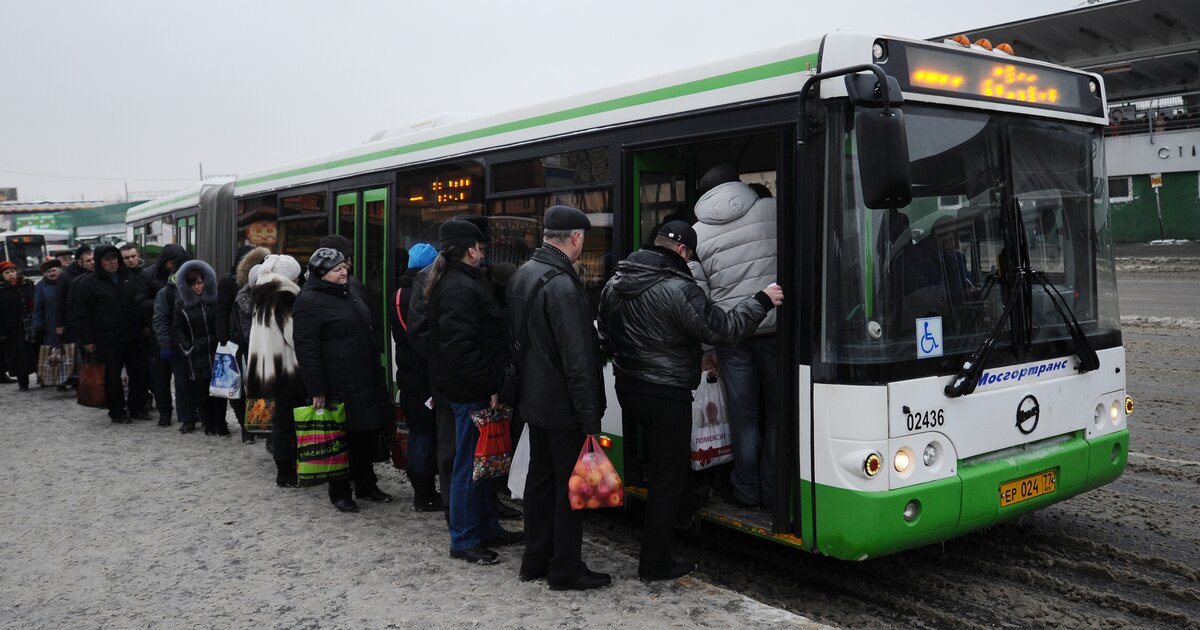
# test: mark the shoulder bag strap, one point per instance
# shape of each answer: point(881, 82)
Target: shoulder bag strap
point(399, 314)
point(523, 338)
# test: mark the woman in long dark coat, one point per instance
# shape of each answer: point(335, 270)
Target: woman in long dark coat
point(339, 352)
point(16, 313)
point(194, 337)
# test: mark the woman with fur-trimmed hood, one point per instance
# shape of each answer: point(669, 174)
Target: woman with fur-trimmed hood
point(194, 337)
point(240, 314)
point(273, 372)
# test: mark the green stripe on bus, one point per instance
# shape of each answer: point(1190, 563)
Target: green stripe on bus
point(749, 75)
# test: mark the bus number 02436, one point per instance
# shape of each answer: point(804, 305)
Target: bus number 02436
point(930, 419)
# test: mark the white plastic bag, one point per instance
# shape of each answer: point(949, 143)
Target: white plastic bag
point(226, 380)
point(712, 443)
point(520, 466)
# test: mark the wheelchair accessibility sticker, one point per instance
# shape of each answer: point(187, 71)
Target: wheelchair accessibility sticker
point(929, 337)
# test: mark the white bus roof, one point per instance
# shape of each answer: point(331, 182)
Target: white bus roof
point(181, 200)
point(753, 76)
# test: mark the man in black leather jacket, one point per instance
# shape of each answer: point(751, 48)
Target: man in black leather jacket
point(653, 320)
point(561, 396)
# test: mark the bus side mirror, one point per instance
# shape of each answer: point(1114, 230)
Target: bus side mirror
point(883, 163)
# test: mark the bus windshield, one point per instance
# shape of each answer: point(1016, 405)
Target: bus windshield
point(26, 252)
point(992, 193)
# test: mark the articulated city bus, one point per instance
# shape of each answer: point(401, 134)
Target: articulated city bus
point(951, 351)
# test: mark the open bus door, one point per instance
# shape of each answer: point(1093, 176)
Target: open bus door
point(664, 189)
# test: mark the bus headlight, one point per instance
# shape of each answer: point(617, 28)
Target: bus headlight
point(1128, 405)
point(1098, 416)
point(1115, 413)
point(930, 455)
point(903, 460)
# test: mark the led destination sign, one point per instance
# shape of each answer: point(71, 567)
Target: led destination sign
point(994, 78)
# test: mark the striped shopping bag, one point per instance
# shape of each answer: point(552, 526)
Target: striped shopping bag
point(321, 445)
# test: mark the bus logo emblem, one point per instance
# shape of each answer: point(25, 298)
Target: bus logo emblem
point(1028, 413)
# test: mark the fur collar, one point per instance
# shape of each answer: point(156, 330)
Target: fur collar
point(254, 257)
point(210, 283)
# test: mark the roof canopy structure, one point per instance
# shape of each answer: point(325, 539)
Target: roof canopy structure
point(1144, 48)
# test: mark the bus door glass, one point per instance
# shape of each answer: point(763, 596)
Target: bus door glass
point(661, 184)
point(366, 225)
point(372, 261)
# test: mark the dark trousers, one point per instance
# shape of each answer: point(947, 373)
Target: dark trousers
point(446, 446)
point(360, 446)
point(132, 358)
point(666, 436)
point(160, 382)
point(553, 531)
point(195, 405)
point(422, 436)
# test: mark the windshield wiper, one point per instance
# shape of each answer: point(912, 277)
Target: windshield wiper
point(967, 377)
point(1088, 359)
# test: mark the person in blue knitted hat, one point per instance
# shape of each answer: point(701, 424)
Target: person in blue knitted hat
point(412, 378)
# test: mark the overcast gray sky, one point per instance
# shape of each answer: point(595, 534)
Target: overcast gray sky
point(142, 91)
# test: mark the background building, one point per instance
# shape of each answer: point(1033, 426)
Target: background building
point(1149, 54)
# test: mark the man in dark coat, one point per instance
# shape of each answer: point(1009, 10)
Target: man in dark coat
point(337, 347)
point(110, 328)
point(466, 331)
point(653, 320)
point(561, 396)
point(83, 264)
point(63, 317)
point(153, 279)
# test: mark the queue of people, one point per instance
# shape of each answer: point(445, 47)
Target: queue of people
point(307, 337)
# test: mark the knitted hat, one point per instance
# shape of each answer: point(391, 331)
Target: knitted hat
point(323, 261)
point(51, 263)
point(283, 265)
point(6, 265)
point(479, 222)
point(255, 271)
point(421, 256)
point(459, 233)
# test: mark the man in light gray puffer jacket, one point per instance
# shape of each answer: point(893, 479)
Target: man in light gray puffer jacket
point(737, 257)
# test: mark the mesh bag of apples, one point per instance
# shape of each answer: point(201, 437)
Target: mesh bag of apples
point(594, 482)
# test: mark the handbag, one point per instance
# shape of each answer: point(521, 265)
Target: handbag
point(493, 450)
point(321, 454)
point(712, 440)
point(51, 369)
point(594, 482)
point(226, 381)
point(91, 385)
point(519, 469)
point(509, 391)
point(259, 412)
point(399, 444)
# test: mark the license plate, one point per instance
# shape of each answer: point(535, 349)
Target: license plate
point(1029, 487)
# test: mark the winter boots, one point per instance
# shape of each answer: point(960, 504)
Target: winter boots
point(285, 475)
point(425, 495)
